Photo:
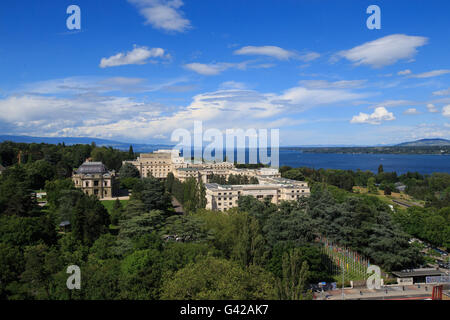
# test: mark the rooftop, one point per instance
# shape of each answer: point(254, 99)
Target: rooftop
point(92, 168)
point(418, 273)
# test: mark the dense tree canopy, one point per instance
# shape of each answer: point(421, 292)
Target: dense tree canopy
point(145, 250)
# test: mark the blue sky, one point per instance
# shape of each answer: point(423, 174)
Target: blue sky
point(139, 69)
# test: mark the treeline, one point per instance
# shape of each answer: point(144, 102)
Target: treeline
point(191, 193)
point(233, 179)
point(430, 224)
point(149, 253)
point(360, 222)
point(50, 161)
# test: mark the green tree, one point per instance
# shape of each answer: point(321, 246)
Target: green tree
point(128, 171)
point(292, 286)
point(218, 279)
point(371, 186)
point(131, 153)
point(117, 212)
point(141, 275)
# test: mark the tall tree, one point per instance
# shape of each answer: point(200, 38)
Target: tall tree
point(295, 273)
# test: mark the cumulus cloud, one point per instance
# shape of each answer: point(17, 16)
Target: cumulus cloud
point(379, 115)
point(432, 108)
point(384, 51)
point(139, 55)
point(100, 113)
point(411, 111)
point(445, 92)
point(163, 14)
point(271, 51)
point(446, 110)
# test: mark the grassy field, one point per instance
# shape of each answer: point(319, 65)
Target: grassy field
point(108, 204)
point(403, 197)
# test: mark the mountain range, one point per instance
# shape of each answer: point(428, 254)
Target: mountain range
point(426, 143)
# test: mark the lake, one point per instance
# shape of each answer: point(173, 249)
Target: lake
point(400, 163)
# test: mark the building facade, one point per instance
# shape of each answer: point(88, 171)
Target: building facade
point(158, 164)
point(94, 179)
point(275, 190)
point(221, 197)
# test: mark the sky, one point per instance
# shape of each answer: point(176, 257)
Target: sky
point(137, 70)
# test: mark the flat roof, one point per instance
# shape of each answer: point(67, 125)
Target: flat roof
point(418, 273)
point(266, 186)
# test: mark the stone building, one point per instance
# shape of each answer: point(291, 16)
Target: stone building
point(224, 197)
point(162, 162)
point(158, 164)
point(94, 179)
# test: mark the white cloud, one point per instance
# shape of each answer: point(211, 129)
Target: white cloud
point(324, 84)
point(393, 103)
point(380, 114)
point(432, 108)
point(411, 111)
point(163, 14)
point(93, 111)
point(214, 68)
point(384, 51)
point(96, 85)
point(139, 55)
point(271, 51)
point(404, 72)
point(310, 56)
point(446, 111)
point(430, 74)
point(233, 85)
point(442, 92)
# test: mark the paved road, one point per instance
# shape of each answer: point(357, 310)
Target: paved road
point(394, 293)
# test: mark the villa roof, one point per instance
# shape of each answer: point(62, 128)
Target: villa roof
point(92, 168)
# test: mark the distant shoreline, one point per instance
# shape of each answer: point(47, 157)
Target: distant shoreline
point(431, 150)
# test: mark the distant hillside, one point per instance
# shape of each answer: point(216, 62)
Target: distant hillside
point(425, 143)
point(85, 140)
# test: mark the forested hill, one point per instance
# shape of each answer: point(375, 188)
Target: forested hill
point(384, 150)
point(139, 147)
point(426, 143)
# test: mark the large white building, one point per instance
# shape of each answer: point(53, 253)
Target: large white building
point(224, 197)
point(221, 197)
point(160, 163)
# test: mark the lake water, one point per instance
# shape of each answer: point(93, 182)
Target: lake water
point(400, 163)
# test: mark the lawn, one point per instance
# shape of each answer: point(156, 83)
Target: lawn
point(403, 197)
point(108, 204)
